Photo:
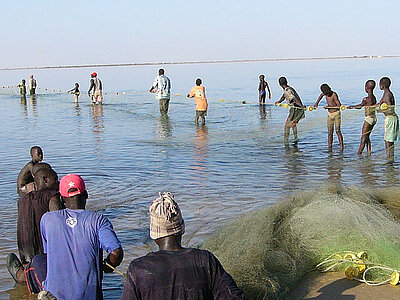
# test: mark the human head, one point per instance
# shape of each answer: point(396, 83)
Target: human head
point(261, 77)
point(161, 72)
point(76, 84)
point(165, 217)
point(282, 81)
point(23, 81)
point(36, 154)
point(198, 81)
point(73, 190)
point(31, 76)
point(370, 85)
point(40, 165)
point(384, 83)
point(94, 74)
point(46, 178)
point(325, 89)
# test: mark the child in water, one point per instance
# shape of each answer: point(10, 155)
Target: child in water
point(296, 112)
point(75, 91)
point(22, 88)
point(369, 103)
point(391, 119)
point(198, 92)
point(261, 90)
point(334, 116)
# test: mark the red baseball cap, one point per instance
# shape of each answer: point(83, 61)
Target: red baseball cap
point(71, 181)
point(94, 74)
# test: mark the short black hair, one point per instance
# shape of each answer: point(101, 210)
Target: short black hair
point(325, 89)
point(370, 84)
point(161, 72)
point(35, 148)
point(282, 81)
point(385, 82)
point(198, 81)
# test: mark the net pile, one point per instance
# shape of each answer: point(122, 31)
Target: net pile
point(269, 250)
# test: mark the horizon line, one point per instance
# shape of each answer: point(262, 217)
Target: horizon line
point(196, 62)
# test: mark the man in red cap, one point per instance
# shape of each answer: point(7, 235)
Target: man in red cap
point(97, 87)
point(74, 240)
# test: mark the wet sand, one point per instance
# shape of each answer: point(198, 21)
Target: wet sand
point(335, 285)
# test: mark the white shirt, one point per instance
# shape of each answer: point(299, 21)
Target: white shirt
point(163, 86)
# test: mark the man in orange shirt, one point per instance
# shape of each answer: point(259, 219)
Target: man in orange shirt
point(198, 92)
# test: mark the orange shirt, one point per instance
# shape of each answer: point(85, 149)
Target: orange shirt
point(199, 94)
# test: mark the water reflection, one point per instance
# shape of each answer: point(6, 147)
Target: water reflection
point(264, 112)
point(392, 174)
point(77, 109)
point(368, 171)
point(295, 168)
point(98, 127)
point(164, 127)
point(200, 150)
point(24, 106)
point(33, 101)
point(334, 168)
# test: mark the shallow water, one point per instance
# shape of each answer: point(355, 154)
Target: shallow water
point(237, 163)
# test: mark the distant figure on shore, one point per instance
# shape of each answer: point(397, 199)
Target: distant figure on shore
point(261, 90)
point(31, 208)
point(296, 112)
point(75, 91)
point(369, 103)
point(97, 87)
point(391, 120)
point(25, 182)
point(198, 92)
point(162, 87)
point(22, 87)
point(334, 115)
point(175, 272)
point(32, 85)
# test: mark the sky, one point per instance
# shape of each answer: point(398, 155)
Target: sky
point(52, 33)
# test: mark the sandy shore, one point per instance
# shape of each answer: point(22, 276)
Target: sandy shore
point(334, 285)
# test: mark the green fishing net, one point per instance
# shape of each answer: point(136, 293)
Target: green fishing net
point(269, 250)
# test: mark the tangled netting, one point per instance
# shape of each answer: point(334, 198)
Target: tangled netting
point(269, 250)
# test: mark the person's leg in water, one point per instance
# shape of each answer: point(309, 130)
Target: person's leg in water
point(196, 118)
point(389, 150)
point(330, 133)
point(365, 140)
point(287, 131)
point(294, 129)
point(261, 97)
point(203, 120)
point(338, 121)
point(164, 104)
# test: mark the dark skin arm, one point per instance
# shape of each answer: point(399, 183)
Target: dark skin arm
point(359, 106)
point(91, 86)
point(269, 91)
point(280, 100)
point(318, 100)
point(25, 175)
point(114, 258)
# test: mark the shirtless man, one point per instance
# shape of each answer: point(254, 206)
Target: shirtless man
point(334, 116)
point(261, 90)
point(25, 178)
point(391, 120)
point(370, 116)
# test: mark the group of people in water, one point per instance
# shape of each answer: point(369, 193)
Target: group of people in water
point(386, 106)
point(61, 245)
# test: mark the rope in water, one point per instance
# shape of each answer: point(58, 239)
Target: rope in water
point(359, 267)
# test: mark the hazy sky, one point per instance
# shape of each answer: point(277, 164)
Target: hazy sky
point(51, 32)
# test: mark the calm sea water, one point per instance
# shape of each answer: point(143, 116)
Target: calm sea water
point(235, 164)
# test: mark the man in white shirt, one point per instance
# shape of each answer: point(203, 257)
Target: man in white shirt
point(162, 87)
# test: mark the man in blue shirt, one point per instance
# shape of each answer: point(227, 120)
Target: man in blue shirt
point(74, 240)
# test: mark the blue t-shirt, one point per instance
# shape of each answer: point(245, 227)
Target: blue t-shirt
point(74, 241)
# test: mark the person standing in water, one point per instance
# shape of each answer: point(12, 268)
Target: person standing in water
point(75, 91)
point(97, 86)
point(22, 88)
point(370, 116)
point(25, 177)
point(296, 112)
point(391, 118)
point(334, 116)
point(261, 90)
point(32, 85)
point(198, 92)
point(162, 87)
